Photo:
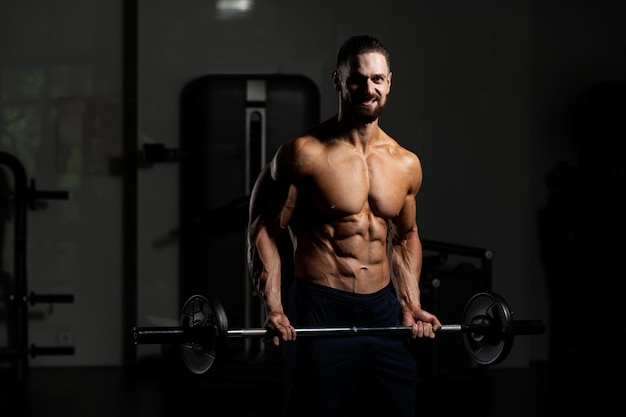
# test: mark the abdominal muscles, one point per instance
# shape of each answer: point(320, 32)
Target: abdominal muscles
point(347, 254)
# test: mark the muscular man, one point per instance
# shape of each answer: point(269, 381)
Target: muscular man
point(345, 192)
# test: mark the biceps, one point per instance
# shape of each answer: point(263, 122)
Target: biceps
point(405, 224)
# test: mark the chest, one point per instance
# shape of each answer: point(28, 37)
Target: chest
point(346, 185)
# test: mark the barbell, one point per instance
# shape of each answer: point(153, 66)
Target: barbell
point(487, 326)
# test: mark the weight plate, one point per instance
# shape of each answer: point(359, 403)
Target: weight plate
point(494, 342)
point(204, 321)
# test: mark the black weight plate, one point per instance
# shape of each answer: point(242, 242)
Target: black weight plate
point(493, 345)
point(205, 320)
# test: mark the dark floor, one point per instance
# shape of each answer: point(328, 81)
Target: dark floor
point(246, 388)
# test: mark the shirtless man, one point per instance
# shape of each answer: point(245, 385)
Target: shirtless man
point(345, 192)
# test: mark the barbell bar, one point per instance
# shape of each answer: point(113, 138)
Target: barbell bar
point(155, 335)
point(487, 327)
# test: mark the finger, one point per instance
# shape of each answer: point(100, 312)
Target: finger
point(418, 329)
point(287, 333)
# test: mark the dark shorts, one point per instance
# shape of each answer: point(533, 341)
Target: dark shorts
point(347, 375)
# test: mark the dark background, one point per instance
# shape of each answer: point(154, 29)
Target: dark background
point(516, 109)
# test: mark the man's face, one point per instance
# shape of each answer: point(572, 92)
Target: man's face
point(364, 84)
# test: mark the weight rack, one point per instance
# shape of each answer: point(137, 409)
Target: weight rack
point(18, 299)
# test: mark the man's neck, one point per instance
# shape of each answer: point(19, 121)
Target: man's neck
point(356, 131)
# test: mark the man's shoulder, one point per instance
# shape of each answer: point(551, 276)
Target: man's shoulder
point(312, 140)
point(304, 142)
point(396, 147)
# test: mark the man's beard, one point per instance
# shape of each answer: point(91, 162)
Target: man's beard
point(365, 115)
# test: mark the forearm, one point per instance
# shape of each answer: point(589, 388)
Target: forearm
point(406, 264)
point(265, 270)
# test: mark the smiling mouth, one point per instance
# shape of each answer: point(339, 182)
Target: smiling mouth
point(368, 101)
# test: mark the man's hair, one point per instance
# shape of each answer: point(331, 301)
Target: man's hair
point(361, 44)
